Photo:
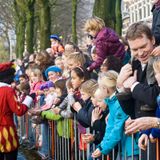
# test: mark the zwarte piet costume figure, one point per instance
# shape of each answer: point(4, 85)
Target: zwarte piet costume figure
point(9, 105)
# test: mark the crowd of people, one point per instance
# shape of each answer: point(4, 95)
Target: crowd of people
point(112, 89)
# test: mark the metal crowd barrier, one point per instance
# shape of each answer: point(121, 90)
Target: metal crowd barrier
point(66, 146)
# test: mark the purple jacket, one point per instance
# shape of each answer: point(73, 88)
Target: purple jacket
point(107, 43)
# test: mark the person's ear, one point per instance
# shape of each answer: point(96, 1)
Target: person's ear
point(78, 64)
point(153, 40)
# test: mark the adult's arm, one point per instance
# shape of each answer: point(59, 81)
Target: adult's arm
point(142, 123)
point(146, 93)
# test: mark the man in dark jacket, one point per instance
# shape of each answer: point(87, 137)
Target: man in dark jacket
point(136, 76)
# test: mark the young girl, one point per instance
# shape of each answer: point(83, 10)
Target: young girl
point(97, 121)
point(75, 59)
point(115, 125)
point(79, 76)
point(84, 109)
point(99, 114)
point(53, 73)
point(43, 60)
point(152, 133)
point(36, 80)
point(65, 106)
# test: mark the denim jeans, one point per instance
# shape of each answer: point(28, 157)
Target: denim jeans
point(31, 133)
point(45, 142)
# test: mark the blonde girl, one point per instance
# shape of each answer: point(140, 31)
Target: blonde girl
point(114, 132)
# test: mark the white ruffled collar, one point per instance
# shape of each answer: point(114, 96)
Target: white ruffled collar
point(4, 84)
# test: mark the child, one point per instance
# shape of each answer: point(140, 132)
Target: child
point(152, 133)
point(84, 110)
point(76, 59)
point(59, 63)
point(116, 119)
point(93, 54)
point(53, 73)
point(78, 76)
point(70, 47)
point(56, 46)
point(24, 89)
point(65, 106)
point(36, 80)
point(23, 78)
point(97, 128)
point(43, 60)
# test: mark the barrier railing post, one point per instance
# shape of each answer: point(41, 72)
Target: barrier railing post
point(75, 137)
point(158, 149)
point(132, 146)
point(140, 154)
point(148, 146)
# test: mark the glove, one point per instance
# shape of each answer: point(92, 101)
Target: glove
point(33, 96)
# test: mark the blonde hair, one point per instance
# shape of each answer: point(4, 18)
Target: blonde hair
point(89, 87)
point(58, 58)
point(98, 95)
point(109, 79)
point(77, 57)
point(69, 84)
point(94, 24)
point(156, 64)
point(36, 72)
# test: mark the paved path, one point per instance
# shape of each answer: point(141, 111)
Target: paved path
point(21, 156)
point(24, 154)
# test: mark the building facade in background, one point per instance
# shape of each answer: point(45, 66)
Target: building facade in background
point(134, 11)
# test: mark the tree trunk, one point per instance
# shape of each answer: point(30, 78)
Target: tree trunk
point(20, 30)
point(105, 9)
point(45, 21)
point(118, 14)
point(74, 12)
point(30, 25)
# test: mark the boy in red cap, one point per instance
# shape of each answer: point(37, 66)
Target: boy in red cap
point(9, 105)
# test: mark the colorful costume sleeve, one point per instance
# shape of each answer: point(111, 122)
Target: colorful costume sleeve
point(16, 107)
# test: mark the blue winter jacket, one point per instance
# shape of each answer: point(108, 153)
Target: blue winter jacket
point(114, 132)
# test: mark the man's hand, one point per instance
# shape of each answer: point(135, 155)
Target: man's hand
point(156, 51)
point(130, 81)
point(138, 124)
point(125, 72)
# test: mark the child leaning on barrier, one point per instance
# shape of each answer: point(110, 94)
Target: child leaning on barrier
point(84, 109)
point(152, 133)
point(65, 106)
point(114, 132)
point(97, 127)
